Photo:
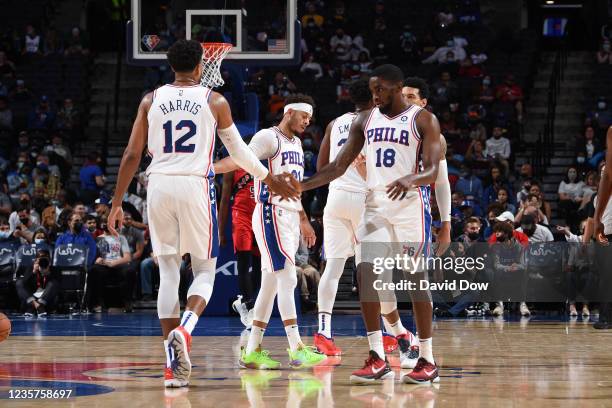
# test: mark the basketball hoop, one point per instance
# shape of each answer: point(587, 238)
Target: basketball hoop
point(211, 62)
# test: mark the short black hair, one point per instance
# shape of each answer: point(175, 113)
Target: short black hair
point(389, 72)
point(359, 92)
point(300, 98)
point(420, 84)
point(185, 55)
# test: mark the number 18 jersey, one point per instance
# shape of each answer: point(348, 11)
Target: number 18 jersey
point(393, 147)
point(182, 129)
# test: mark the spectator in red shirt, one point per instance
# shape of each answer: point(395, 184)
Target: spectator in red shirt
point(512, 93)
point(508, 217)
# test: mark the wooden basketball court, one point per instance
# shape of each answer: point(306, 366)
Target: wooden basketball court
point(484, 362)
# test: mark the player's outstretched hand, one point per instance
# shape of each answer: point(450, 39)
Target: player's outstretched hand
point(400, 187)
point(115, 218)
point(283, 185)
point(599, 233)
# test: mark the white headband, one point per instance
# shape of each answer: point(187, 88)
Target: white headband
point(304, 107)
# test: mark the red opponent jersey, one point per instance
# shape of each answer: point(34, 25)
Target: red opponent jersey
point(242, 192)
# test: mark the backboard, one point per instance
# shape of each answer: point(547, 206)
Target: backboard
point(261, 32)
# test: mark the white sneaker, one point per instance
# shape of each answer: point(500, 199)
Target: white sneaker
point(242, 310)
point(585, 311)
point(573, 312)
point(499, 309)
point(524, 309)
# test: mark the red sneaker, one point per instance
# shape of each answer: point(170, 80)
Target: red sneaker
point(423, 372)
point(180, 342)
point(389, 343)
point(375, 369)
point(326, 346)
point(171, 382)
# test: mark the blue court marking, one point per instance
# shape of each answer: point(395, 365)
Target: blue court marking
point(78, 389)
point(147, 324)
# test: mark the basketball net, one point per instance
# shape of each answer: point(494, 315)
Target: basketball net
point(211, 63)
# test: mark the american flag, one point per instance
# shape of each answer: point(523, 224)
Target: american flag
point(277, 45)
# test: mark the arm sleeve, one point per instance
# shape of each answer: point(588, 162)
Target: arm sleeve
point(264, 144)
point(443, 192)
point(240, 152)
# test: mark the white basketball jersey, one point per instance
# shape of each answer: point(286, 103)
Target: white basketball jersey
point(350, 180)
point(393, 147)
point(181, 131)
point(289, 157)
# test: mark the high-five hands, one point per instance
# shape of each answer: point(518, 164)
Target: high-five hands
point(283, 185)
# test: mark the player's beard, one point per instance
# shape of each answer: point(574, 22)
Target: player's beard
point(386, 109)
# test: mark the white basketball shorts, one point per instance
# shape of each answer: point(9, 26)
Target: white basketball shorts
point(277, 232)
point(343, 213)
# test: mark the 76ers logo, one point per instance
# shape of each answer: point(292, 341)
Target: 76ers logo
point(150, 41)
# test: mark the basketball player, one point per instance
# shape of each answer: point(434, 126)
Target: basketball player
point(177, 122)
point(401, 140)
point(343, 213)
point(603, 228)
point(277, 225)
point(238, 187)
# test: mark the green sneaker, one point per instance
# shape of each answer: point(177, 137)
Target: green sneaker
point(305, 356)
point(258, 360)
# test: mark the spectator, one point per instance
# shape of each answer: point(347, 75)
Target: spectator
point(102, 206)
point(77, 235)
point(32, 41)
point(41, 117)
point(6, 206)
point(339, 18)
point(535, 231)
point(77, 43)
point(80, 209)
point(502, 199)
point(498, 147)
point(6, 235)
point(445, 17)
point(601, 117)
point(22, 93)
point(311, 68)
point(134, 237)
point(469, 184)
point(523, 182)
point(340, 39)
point(58, 147)
point(408, 43)
point(485, 93)
point(311, 13)
point(511, 92)
point(68, 116)
point(534, 201)
point(25, 228)
point(39, 286)
point(50, 215)
point(443, 91)
point(588, 145)
point(508, 218)
point(41, 240)
point(380, 55)
point(52, 43)
point(365, 63)
point(308, 277)
point(25, 201)
point(91, 223)
point(113, 262)
point(453, 46)
point(92, 178)
point(6, 115)
point(470, 70)
point(18, 179)
point(471, 231)
point(509, 257)
point(7, 68)
point(570, 197)
point(497, 181)
point(604, 56)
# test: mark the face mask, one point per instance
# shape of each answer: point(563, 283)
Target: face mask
point(501, 238)
point(529, 230)
point(24, 144)
point(5, 234)
point(39, 241)
point(580, 159)
point(78, 226)
point(24, 220)
point(486, 82)
point(601, 105)
point(20, 164)
point(473, 236)
point(92, 228)
point(55, 203)
point(571, 175)
point(524, 175)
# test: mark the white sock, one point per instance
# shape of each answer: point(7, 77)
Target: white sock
point(396, 328)
point(376, 343)
point(425, 349)
point(168, 352)
point(325, 324)
point(189, 320)
point(293, 335)
point(386, 324)
point(255, 339)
